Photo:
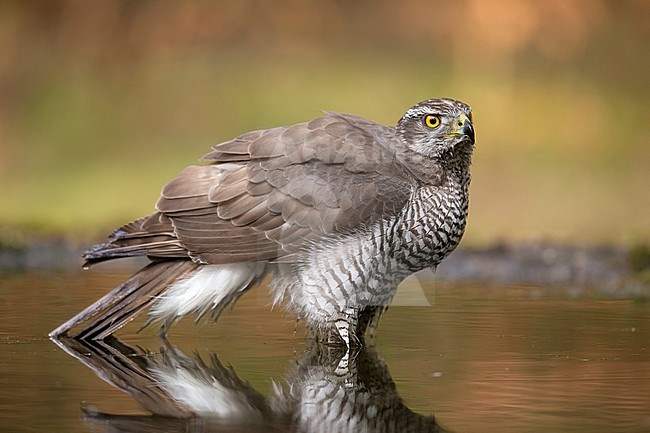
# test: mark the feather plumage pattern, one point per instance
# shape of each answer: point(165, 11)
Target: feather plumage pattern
point(339, 210)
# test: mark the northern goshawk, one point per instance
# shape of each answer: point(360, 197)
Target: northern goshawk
point(339, 210)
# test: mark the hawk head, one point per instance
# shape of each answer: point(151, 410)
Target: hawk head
point(440, 129)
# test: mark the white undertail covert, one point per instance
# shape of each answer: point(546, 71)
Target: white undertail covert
point(210, 285)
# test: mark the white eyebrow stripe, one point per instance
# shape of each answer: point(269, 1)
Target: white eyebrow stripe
point(421, 111)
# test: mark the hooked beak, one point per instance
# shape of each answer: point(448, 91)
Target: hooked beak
point(465, 128)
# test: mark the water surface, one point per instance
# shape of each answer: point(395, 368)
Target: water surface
point(480, 358)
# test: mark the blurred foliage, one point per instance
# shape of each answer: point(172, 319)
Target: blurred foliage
point(639, 259)
point(102, 102)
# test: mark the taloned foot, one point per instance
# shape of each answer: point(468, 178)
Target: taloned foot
point(343, 331)
point(346, 326)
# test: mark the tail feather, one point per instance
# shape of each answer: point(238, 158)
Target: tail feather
point(165, 248)
point(127, 300)
point(151, 236)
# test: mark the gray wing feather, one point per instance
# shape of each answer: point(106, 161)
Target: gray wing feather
point(266, 193)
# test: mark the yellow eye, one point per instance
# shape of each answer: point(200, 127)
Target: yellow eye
point(432, 121)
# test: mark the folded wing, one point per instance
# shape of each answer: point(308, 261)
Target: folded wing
point(266, 193)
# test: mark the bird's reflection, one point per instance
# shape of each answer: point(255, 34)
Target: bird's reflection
point(330, 389)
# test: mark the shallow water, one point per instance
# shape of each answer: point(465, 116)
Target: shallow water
point(520, 359)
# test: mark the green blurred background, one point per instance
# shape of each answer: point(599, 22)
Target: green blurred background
point(102, 102)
